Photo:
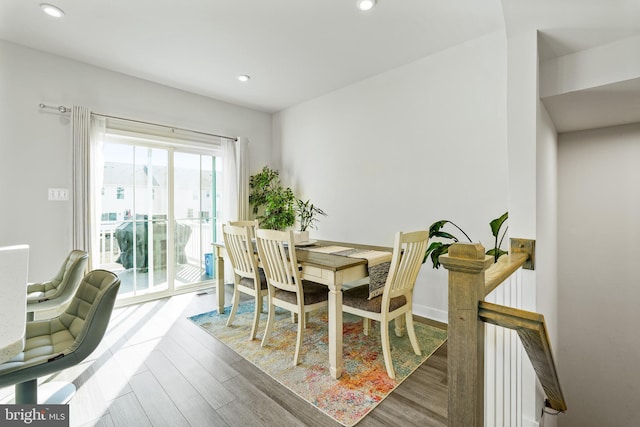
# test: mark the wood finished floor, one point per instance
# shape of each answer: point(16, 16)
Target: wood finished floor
point(156, 368)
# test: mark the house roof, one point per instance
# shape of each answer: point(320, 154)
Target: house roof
point(126, 174)
point(120, 174)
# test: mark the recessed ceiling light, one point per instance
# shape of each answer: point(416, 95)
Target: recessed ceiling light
point(51, 10)
point(243, 78)
point(365, 5)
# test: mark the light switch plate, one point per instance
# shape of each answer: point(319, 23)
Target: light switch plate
point(58, 194)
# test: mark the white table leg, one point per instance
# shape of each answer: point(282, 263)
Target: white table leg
point(219, 278)
point(335, 327)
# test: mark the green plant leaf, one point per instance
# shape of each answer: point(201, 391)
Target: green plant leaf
point(445, 235)
point(498, 251)
point(275, 203)
point(496, 224)
point(436, 249)
point(435, 255)
point(436, 226)
point(307, 214)
point(432, 247)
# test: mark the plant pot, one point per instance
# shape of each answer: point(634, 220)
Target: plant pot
point(300, 236)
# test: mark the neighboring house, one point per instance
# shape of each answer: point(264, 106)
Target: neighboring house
point(121, 180)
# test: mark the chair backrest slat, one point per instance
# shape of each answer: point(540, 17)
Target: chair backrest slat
point(251, 223)
point(408, 254)
point(278, 261)
point(239, 246)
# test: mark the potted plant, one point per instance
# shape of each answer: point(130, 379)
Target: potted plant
point(273, 204)
point(307, 215)
point(436, 249)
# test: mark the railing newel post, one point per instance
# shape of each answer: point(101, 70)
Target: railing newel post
point(466, 263)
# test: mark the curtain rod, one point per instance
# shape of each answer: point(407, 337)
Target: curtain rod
point(63, 110)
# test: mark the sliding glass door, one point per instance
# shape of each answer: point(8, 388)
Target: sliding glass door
point(195, 216)
point(158, 216)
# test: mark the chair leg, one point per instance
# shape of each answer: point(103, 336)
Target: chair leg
point(27, 392)
point(234, 307)
point(412, 333)
point(270, 317)
point(366, 326)
point(256, 316)
point(400, 326)
point(386, 347)
point(301, 326)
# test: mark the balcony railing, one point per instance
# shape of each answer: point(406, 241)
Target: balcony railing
point(146, 261)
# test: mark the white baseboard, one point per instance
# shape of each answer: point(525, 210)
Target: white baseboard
point(528, 422)
point(430, 313)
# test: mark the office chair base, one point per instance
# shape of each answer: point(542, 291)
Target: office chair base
point(51, 393)
point(56, 393)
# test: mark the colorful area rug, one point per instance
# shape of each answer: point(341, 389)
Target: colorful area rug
point(364, 382)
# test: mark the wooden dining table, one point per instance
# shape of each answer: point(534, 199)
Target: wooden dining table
point(325, 268)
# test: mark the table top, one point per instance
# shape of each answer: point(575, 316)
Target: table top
point(331, 261)
point(353, 245)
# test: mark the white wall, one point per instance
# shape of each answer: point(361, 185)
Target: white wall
point(602, 65)
point(35, 146)
point(547, 223)
point(403, 149)
point(546, 254)
point(596, 200)
point(599, 207)
point(532, 147)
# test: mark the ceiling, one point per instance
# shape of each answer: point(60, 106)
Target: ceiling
point(294, 50)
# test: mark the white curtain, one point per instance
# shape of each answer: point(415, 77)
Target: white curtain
point(87, 134)
point(229, 182)
point(236, 180)
point(229, 194)
point(242, 150)
point(81, 131)
point(96, 178)
point(235, 204)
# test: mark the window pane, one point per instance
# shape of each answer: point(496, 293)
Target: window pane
point(134, 206)
point(193, 209)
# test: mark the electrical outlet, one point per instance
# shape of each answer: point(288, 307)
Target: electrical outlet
point(58, 194)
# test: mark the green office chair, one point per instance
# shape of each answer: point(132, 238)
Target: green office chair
point(60, 342)
point(59, 290)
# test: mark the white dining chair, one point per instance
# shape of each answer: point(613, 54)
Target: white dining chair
point(248, 277)
point(287, 290)
point(397, 297)
point(252, 223)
